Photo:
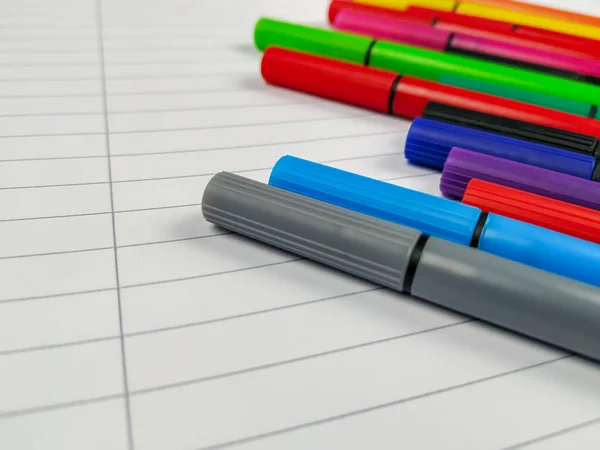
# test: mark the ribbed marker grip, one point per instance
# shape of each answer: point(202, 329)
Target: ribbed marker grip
point(434, 216)
point(567, 140)
point(357, 244)
point(428, 142)
point(563, 217)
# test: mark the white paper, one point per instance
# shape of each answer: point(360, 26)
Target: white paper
point(127, 322)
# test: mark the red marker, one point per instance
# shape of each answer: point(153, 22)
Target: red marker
point(481, 27)
point(408, 97)
point(536, 209)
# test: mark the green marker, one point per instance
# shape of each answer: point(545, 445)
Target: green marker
point(412, 61)
point(521, 95)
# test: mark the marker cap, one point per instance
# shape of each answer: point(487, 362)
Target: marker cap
point(464, 165)
point(429, 142)
point(392, 29)
point(337, 45)
point(522, 95)
point(567, 140)
point(370, 248)
point(432, 215)
point(556, 215)
point(328, 78)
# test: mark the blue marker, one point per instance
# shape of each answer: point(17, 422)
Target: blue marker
point(429, 141)
point(442, 218)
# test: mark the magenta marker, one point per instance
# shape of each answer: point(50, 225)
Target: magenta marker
point(425, 36)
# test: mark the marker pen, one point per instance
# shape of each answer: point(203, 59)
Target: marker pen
point(442, 218)
point(479, 26)
point(538, 304)
point(462, 166)
point(504, 12)
point(540, 10)
point(409, 97)
point(566, 218)
point(429, 142)
point(527, 19)
point(412, 61)
point(553, 137)
point(424, 36)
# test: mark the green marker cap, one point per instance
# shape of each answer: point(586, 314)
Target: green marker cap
point(318, 41)
point(521, 95)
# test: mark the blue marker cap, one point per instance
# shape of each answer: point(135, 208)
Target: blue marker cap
point(429, 142)
point(432, 215)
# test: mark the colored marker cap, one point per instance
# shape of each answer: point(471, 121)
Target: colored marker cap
point(463, 165)
point(556, 215)
point(435, 216)
point(575, 142)
point(429, 142)
point(337, 45)
point(328, 78)
point(392, 29)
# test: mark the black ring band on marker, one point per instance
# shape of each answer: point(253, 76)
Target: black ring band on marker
point(593, 111)
point(393, 94)
point(449, 43)
point(515, 26)
point(478, 230)
point(596, 172)
point(456, 5)
point(369, 50)
point(413, 263)
point(434, 21)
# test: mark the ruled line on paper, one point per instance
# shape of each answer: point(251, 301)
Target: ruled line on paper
point(101, 53)
point(381, 406)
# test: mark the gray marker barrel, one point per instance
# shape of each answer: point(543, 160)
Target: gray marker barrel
point(548, 307)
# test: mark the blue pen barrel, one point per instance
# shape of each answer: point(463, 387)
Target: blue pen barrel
point(542, 248)
point(442, 218)
point(428, 143)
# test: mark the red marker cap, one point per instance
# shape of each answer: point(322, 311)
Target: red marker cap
point(336, 80)
point(387, 92)
point(574, 220)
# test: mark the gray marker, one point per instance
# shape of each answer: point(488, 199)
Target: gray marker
point(557, 310)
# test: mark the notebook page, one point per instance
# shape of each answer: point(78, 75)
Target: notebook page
point(128, 322)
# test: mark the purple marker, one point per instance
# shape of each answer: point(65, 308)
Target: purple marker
point(463, 165)
point(425, 36)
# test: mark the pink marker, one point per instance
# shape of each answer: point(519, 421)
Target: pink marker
point(425, 36)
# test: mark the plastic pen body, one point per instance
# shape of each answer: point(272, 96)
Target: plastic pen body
point(421, 35)
point(407, 97)
point(438, 217)
point(556, 310)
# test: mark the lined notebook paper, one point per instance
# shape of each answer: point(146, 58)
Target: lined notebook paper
point(129, 323)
